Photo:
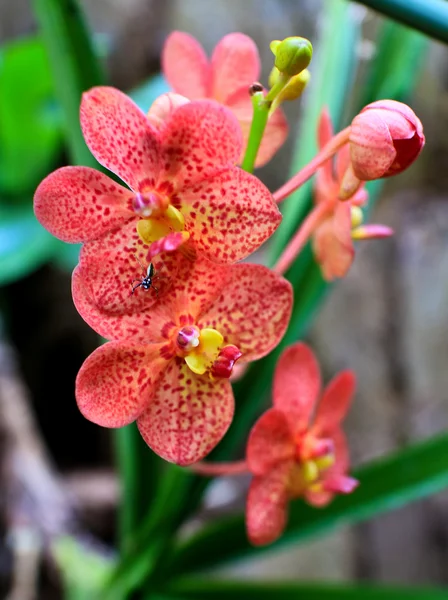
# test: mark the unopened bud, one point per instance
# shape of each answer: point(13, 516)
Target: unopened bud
point(385, 139)
point(295, 86)
point(292, 55)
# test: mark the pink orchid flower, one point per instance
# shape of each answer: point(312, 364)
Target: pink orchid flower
point(333, 237)
point(297, 448)
point(234, 66)
point(170, 365)
point(385, 139)
point(182, 179)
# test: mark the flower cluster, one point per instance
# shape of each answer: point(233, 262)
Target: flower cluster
point(159, 274)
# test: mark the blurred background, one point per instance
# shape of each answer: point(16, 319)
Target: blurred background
point(388, 320)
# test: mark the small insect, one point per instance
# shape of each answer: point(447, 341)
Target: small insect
point(148, 280)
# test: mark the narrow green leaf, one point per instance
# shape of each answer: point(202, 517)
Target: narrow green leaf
point(30, 123)
point(221, 590)
point(74, 65)
point(387, 484)
point(427, 16)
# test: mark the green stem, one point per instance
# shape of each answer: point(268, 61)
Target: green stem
point(259, 120)
point(427, 16)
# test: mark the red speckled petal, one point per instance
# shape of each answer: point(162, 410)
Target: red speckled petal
point(195, 288)
point(235, 63)
point(120, 136)
point(274, 135)
point(252, 311)
point(335, 402)
point(116, 382)
point(270, 442)
point(229, 216)
point(199, 139)
point(186, 66)
point(103, 281)
point(297, 384)
point(266, 509)
point(334, 256)
point(188, 415)
point(324, 135)
point(77, 204)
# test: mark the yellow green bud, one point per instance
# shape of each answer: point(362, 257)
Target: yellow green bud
point(295, 86)
point(292, 55)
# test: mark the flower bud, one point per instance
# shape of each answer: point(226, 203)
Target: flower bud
point(295, 86)
point(292, 55)
point(385, 139)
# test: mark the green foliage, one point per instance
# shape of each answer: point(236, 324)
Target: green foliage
point(30, 123)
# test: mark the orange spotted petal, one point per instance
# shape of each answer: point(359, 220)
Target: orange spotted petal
point(252, 310)
point(335, 402)
point(230, 215)
point(116, 382)
point(270, 442)
point(333, 245)
point(77, 204)
point(186, 66)
point(120, 136)
point(324, 135)
point(297, 385)
point(188, 414)
point(276, 131)
point(199, 139)
point(103, 281)
point(266, 509)
point(235, 63)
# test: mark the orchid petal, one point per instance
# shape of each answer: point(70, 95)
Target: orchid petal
point(103, 281)
point(297, 384)
point(77, 204)
point(116, 382)
point(275, 133)
point(335, 402)
point(187, 416)
point(186, 66)
point(372, 150)
point(252, 311)
point(334, 256)
point(324, 135)
point(162, 108)
point(120, 136)
point(230, 215)
point(235, 63)
point(266, 510)
point(199, 139)
point(270, 442)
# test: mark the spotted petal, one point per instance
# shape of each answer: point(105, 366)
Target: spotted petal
point(120, 136)
point(266, 510)
point(199, 139)
point(297, 384)
point(116, 382)
point(270, 442)
point(102, 286)
point(335, 402)
point(77, 204)
point(186, 66)
point(188, 414)
point(274, 135)
point(230, 215)
point(252, 310)
point(235, 64)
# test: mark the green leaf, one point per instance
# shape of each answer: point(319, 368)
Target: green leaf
point(221, 590)
point(75, 66)
point(30, 123)
point(24, 243)
point(386, 484)
point(427, 16)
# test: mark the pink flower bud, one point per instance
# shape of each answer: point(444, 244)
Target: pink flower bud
point(385, 138)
